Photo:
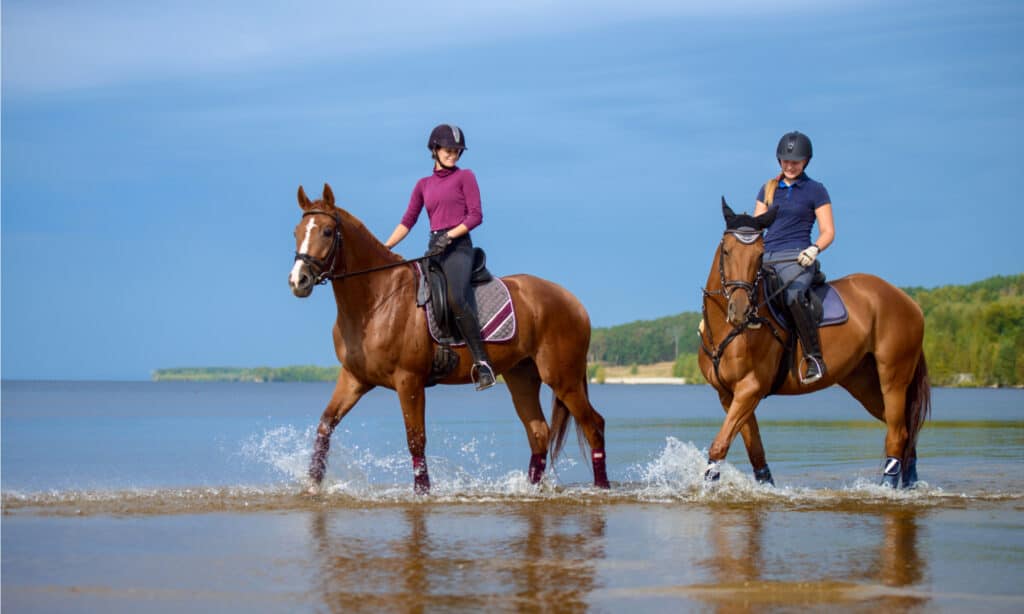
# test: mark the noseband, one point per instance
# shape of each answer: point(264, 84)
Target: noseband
point(323, 269)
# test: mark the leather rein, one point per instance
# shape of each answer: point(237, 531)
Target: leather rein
point(751, 318)
point(324, 268)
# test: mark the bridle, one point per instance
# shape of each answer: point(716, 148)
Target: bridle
point(323, 269)
point(751, 319)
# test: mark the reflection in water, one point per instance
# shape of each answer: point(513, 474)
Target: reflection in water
point(521, 558)
point(879, 574)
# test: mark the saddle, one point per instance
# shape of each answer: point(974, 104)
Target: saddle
point(494, 311)
point(826, 308)
point(433, 294)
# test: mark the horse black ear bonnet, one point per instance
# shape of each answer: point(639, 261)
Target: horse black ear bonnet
point(745, 227)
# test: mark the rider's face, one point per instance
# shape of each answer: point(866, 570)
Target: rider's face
point(791, 169)
point(448, 156)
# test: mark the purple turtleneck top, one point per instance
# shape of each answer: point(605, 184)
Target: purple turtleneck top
point(452, 197)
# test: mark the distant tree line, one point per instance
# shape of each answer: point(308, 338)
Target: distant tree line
point(300, 373)
point(974, 336)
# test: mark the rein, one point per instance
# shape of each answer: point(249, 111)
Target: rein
point(326, 266)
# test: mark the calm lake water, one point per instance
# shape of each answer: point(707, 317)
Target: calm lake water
point(172, 496)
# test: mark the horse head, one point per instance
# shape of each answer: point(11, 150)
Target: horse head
point(739, 260)
point(317, 242)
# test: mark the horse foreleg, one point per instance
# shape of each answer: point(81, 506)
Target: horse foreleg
point(752, 440)
point(347, 392)
point(411, 395)
point(755, 451)
point(523, 383)
point(739, 413)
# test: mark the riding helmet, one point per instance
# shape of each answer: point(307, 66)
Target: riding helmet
point(794, 146)
point(447, 135)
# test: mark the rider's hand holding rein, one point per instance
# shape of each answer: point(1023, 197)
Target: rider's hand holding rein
point(808, 256)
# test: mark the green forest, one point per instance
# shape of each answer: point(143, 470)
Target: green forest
point(974, 336)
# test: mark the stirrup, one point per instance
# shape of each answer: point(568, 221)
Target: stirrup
point(482, 375)
point(818, 375)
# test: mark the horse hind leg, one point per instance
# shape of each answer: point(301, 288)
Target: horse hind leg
point(572, 399)
point(523, 383)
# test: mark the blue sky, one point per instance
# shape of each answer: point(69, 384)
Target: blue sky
point(151, 153)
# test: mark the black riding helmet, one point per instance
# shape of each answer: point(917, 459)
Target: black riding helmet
point(447, 135)
point(794, 146)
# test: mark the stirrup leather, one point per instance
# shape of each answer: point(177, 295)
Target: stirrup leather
point(482, 375)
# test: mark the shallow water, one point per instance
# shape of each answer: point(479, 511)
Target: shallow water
point(173, 496)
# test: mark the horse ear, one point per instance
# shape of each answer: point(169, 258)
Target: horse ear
point(727, 212)
point(328, 195)
point(304, 202)
point(765, 219)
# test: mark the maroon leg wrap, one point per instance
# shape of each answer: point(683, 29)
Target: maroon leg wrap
point(421, 480)
point(318, 464)
point(600, 472)
point(538, 462)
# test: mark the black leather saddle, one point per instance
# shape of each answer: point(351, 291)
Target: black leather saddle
point(778, 306)
point(433, 292)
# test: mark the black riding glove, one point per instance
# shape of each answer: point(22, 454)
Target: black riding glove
point(439, 243)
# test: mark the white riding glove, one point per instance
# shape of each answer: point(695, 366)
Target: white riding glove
point(808, 256)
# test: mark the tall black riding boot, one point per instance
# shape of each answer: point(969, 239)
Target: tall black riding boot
point(807, 331)
point(482, 374)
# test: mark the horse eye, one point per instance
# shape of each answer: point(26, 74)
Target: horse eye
point(327, 232)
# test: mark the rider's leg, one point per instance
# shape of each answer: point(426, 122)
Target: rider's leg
point(806, 328)
point(458, 267)
point(799, 280)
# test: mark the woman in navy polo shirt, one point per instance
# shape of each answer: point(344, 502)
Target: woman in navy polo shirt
point(801, 201)
point(452, 198)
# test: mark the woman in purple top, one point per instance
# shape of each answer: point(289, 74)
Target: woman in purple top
point(801, 201)
point(452, 198)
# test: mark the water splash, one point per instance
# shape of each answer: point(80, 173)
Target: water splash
point(468, 472)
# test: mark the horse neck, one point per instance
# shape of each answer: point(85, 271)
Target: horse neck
point(358, 296)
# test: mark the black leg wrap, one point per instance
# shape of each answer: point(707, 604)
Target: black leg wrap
point(891, 472)
point(910, 473)
point(764, 476)
point(712, 473)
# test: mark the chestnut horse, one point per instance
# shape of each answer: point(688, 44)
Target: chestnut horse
point(877, 354)
point(381, 339)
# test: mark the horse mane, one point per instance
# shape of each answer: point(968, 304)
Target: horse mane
point(358, 231)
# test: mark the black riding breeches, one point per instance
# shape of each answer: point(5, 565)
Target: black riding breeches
point(457, 262)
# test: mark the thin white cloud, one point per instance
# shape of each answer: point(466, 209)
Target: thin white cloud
point(54, 46)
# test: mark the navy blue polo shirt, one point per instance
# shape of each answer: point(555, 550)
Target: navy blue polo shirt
point(797, 204)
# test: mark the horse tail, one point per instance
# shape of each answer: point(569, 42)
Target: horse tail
point(918, 407)
point(560, 419)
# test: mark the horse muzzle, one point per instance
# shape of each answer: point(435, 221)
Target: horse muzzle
point(738, 309)
point(300, 280)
